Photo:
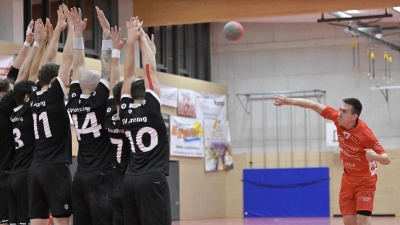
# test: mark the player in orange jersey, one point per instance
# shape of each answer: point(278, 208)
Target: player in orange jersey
point(359, 152)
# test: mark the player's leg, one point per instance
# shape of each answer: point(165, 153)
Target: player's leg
point(131, 213)
point(99, 190)
point(118, 208)
point(20, 184)
point(38, 206)
point(3, 197)
point(347, 203)
point(57, 182)
point(364, 196)
point(154, 199)
point(11, 202)
point(79, 200)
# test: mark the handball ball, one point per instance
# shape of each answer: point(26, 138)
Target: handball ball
point(233, 31)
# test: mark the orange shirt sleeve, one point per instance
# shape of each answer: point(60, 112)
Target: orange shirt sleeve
point(371, 142)
point(330, 113)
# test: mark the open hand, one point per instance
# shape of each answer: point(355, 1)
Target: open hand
point(134, 28)
point(116, 38)
point(79, 24)
point(280, 100)
point(29, 34)
point(103, 20)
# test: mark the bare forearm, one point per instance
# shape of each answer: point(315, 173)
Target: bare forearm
point(114, 72)
point(66, 62)
point(106, 58)
point(23, 53)
point(305, 103)
point(383, 159)
point(25, 68)
point(35, 65)
point(129, 69)
point(52, 48)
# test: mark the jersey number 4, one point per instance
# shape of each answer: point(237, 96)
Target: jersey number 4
point(94, 127)
point(46, 127)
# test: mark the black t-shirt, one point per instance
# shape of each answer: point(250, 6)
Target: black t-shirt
point(120, 143)
point(147, 134)
point(51, 125)
point(88, 112)
point(7, 151)
point(13, 73)
point(24, 136)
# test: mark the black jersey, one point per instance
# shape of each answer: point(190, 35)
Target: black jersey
point(7, 151)
point(147, 134)
point(88, 112)
point(120, 143)
point(13, 73)
point(51, 125)
point(24, 136)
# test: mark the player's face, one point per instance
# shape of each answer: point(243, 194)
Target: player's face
point(346, 117)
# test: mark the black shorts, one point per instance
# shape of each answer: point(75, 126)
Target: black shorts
point(118, 208)
point(4, 174)
point(49, 191)
point(146, 199)
point(18, 210)
point(91, 194)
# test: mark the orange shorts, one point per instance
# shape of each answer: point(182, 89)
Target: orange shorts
point(356, 194)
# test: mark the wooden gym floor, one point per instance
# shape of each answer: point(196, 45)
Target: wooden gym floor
point(284, 221)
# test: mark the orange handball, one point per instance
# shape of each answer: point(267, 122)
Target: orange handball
point(233, 31)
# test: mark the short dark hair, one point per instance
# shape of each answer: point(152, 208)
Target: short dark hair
point(5, 85)
point(357, 106)
point(138, 90)
point(117, 92)
point(47, 73)
point(21, 89)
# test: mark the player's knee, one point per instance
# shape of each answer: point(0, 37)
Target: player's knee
point(364, 217)
point(350, 220)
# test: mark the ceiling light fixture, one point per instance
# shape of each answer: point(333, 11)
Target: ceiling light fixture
point(340, 14)
point(397, 9)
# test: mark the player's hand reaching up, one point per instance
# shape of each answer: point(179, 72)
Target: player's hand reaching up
point(79, 24)
point(103, 20)
point(61, 24)
point(29, 34)
point(151, 43)
point(134, 28)
point(116, 38)
point(280, 100)
point(38, 28)
point(69, 15)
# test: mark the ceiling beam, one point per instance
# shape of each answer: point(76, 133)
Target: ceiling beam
point(173, 12)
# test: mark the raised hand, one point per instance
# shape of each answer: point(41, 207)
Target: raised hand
point(29, 34)
point(116, 38)
point(61, 24)
point(134, 28)
point(44, 32)
point(151, 43)
point(103, 20)
point(68, 14)
point(280, 100)
point(79, 24)
point(38, 27)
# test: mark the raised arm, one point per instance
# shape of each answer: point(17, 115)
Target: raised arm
point(79, 48)
point(280, 100)
point(115, 55)
point(65, 67)
point(106, 45)
point(149, 62)
point(24, 71)
point(51, 52)
point(23, 53)
point(134, 31)
point(34, 68)
point(47, 35)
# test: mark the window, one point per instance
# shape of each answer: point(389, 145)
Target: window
point(35, 9)
point(183, 50)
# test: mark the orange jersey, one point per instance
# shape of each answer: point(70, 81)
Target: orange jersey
point(352, 145)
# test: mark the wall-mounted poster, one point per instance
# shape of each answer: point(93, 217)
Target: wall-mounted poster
point(186, 137)
point(169, 95)
point(217, 146)
point(186, 103)
point(5, 63)
point(210, 106)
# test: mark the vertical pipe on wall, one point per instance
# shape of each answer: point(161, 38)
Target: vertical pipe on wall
point(305, 134)
point(291, 135)
point(263, 129)
point(277, 135)
point(251, 132)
